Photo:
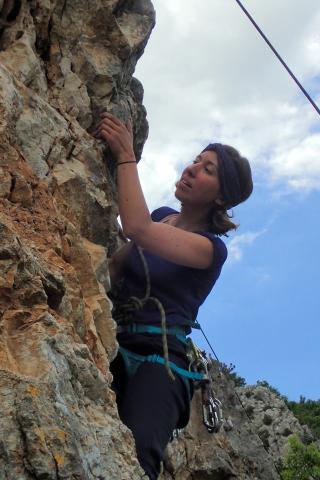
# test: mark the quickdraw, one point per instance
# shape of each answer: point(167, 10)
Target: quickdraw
point(211, 406)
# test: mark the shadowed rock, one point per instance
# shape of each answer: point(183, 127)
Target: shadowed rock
point(61, 64)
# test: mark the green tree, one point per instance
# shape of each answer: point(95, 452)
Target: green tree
point(308, 413)
point(229, 372)
point(302, 461)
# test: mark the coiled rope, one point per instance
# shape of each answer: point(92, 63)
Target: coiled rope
point(123, 312)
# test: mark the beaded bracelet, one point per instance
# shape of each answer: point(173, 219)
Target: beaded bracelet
point(122, 163)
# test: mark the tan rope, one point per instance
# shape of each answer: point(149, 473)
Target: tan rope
point(164, 336)
point(133, 303)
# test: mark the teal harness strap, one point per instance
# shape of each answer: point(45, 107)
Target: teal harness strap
point(142, 328)
point(133, 360)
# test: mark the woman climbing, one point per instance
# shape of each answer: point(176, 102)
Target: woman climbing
point(184, 257)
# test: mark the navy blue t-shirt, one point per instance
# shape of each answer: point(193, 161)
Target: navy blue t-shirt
point(180, 289)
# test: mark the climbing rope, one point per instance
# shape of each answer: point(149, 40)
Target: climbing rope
point(223, 373)
point(278, 56)
point(134, 303)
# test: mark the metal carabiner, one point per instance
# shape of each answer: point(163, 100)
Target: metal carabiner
point(211, 409)
point(211, 406)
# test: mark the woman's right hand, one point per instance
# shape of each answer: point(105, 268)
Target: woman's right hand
point(118, 135)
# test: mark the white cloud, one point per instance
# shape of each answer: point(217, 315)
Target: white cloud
point(208, 75)
point(299, 163)
point(237, 245)
point(160, 177)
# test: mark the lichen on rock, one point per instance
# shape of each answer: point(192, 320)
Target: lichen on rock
point(61, 64)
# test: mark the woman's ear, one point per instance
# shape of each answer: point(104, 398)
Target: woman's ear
point(219, 201)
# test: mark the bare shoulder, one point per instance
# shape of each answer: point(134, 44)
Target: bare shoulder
point(176, 245)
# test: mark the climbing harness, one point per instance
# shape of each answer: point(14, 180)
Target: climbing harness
point(142, 328)
point(133, 360)
point(198, 367)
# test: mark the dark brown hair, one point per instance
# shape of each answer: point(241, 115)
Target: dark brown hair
point(220, 220)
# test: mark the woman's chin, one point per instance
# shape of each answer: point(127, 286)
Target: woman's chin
point(178, 195)
point(179, 192)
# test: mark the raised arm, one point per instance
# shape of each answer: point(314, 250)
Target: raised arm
point(169, 242)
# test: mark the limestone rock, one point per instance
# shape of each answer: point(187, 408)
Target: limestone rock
point(271, 418)
point(61, 63)
point(250, 444)
point(236, 452)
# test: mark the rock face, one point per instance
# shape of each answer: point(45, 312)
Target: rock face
point(272, 420)
point(236, 452)
point(250, 444)
point(62, 62)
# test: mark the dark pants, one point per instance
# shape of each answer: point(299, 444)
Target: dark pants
point(152, 405)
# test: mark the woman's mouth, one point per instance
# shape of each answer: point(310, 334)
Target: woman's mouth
point(185, 183)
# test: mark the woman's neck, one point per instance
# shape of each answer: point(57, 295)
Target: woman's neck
point(191, 219)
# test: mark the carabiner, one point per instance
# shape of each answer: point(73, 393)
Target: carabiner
point(211, 409)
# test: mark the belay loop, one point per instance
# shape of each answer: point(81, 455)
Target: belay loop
point(211, 406)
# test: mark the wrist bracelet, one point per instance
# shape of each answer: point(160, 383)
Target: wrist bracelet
point(129, 161)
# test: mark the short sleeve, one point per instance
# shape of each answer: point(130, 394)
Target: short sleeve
point(220, 250)
point(161, 213)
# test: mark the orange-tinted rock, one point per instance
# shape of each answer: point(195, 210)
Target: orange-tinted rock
point(60, 64)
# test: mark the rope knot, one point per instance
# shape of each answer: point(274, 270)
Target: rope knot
point(123, 312)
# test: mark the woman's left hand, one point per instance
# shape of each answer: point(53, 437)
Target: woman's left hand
point(118, 135)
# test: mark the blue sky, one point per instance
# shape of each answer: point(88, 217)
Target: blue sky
point(263, 314)
point(208, 80)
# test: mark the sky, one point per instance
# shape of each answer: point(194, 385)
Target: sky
point(208, 76)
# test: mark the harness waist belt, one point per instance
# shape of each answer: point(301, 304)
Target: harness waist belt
point(142, 328)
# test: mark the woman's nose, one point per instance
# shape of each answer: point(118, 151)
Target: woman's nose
point(192, 169)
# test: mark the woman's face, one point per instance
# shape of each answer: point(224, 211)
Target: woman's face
point(199, 183)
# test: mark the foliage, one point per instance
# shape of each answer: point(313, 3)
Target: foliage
point(302, 461)
point(308, 413)
point(228, 371)
point(264, 383)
